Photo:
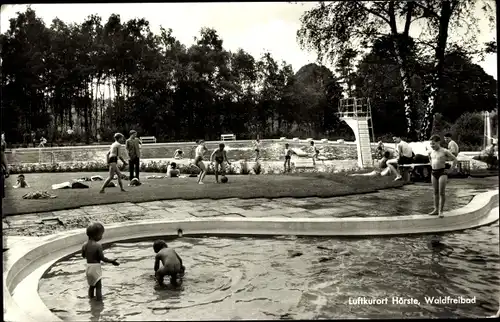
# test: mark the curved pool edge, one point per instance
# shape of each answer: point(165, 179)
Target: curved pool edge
point(25, 265)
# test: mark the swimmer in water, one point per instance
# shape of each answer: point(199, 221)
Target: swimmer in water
point(198, 160)
point(92, 251)
point(219, 156)
point(172, 263)
point(439, 175)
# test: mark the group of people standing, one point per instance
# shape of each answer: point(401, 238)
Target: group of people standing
point(437, 157)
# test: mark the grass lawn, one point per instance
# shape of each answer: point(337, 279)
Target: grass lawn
point(239, 186)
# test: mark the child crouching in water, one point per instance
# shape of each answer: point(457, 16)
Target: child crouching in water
point(92, 251)
point(172, 263)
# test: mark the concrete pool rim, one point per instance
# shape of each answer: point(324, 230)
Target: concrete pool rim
point(28, 265)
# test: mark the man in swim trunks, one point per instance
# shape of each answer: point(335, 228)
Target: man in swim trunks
point(315, 152)
point(198, 160)
point(219, 156)
point(172, 263)
point(439, 174)
point(112, 157)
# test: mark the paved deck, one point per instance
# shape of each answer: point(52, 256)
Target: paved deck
point(409, 200)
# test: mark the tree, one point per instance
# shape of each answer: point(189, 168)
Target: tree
point(443, 16)
point(361, 23)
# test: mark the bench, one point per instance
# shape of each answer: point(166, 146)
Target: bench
point(147, 139)
point(225, 137)
point(411, 170)
point(302, 164)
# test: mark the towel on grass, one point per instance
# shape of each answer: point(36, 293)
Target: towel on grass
point(69, 185)
point(39, 195)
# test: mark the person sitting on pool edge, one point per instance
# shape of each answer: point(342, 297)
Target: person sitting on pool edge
point(172, 263)
point(172, 171)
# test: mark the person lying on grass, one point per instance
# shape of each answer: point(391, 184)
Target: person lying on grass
point(21, 182)
point(385, 169)
point(112, 159)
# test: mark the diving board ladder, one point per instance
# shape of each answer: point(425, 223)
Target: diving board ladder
point(356, 112)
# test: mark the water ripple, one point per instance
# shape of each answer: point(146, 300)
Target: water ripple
point(269, 278)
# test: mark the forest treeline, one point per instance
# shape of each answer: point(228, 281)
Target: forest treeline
point(99, 77)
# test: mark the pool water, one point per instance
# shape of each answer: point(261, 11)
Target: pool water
point(287, 278)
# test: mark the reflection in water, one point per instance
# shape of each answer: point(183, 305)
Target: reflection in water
point(251, 278)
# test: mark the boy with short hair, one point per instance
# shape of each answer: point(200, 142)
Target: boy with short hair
point(198, 160)
point(112, 158)
point(288, 156)
point(93, 252)
point(315, 153)
point(439, 175)
point(219, 156)
point(172, 171)
point(21, 182)
point(172, 263)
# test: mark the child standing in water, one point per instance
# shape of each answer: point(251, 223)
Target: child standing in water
point(439, 172)
point(93, 252)
point(172, 263)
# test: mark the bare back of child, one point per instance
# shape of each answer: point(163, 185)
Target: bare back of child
point(93, 252)
point(171, 261)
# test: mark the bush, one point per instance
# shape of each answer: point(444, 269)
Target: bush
point(241, 167)
point(469, 130)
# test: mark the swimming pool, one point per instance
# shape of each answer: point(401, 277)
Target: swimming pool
point(287, 278)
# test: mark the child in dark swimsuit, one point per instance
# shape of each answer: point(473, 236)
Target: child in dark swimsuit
point(219, 156)
point(172, 263)
point(439, 175)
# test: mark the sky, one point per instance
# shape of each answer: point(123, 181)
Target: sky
point(255, 27)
